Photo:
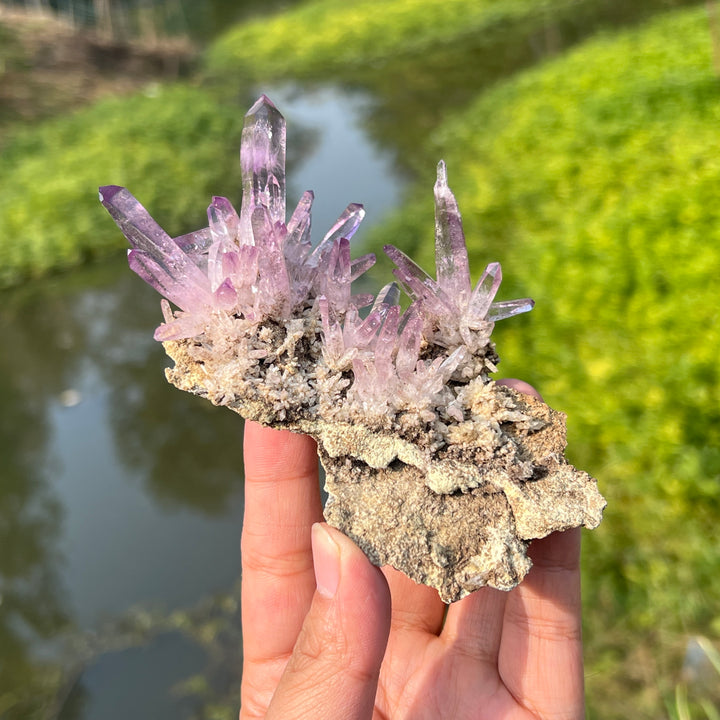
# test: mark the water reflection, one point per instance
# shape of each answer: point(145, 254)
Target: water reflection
point(133, 494)
point(150, 484)
point(136, 683)
point(31, 602)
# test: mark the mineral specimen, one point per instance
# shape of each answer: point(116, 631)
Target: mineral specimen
point(430, 466)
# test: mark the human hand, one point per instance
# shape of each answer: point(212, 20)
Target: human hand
point(328, 636)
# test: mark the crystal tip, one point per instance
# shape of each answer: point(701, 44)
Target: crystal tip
point(442, 173)
point(263, 103)
point(108, 192)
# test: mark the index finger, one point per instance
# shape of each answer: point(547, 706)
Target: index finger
point(541, 649)
point(282, 501)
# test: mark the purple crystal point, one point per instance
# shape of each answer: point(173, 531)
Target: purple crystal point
point(345, 227)
point(195, 243)
point(347, 224)
point(273, 290)
point(389, 295)
point(223, 219)
point(297, 242)
point(508, 308)
point(160, 261)
point(336, 278)
point(409, 342)
point(419, 285)
point(451, 314)
point(222, 254)
point(262, 161)
point(385, 345)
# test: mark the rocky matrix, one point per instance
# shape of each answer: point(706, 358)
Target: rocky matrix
point(431, 467)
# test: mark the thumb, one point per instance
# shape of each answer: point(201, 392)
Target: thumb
point(333, 671)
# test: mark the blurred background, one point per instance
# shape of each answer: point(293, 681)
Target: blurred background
point(583, 142)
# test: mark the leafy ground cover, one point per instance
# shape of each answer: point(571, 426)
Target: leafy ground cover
point(440, 53)
point(325, 36)
point(421, 60)
point(173, 146)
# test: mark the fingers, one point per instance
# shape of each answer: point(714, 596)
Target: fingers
point(541, 649)
point(333, 672)
point(415, 608)
point(282, 501)
point(520, 386)
point(540, 656)
point(473, 628)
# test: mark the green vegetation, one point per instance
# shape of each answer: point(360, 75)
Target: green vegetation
point(327, 36)
point(595, 181)
point(173, 146)
point(319, 36)
point(421, 60)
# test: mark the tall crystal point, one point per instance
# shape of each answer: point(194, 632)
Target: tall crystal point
point(451, 259)
point(453, 314)
point(262, 162)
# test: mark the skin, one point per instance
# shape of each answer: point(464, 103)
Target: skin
point(327, 635)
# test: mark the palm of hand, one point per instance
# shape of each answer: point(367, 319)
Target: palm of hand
point(493, 655)
point(485, 657)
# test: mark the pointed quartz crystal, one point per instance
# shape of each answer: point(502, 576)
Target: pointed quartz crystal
point(262, 161)
point(160, 261)
point(451, 258)
point(485, 292)
point(344, 227)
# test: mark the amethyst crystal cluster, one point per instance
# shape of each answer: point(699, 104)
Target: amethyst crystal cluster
point(430, 466)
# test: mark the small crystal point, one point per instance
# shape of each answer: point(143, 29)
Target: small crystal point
point(485, 291)
point(223, 219)
point(509, 308)
point(419, 285)
point(262, 161)
point(195, 243)
point(361, 265)
point(388, 295)
point(297, 245)
point(409, 342)
point(301, 218)
point(344, 227)
point(107, 192)
point(273, 296)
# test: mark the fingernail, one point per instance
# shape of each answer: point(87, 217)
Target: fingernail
point(326, 558)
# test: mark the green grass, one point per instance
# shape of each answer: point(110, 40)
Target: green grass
point(595, 180)
point(173, 147)
point(326, 34)
point(322, 37)
point(179, 143)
